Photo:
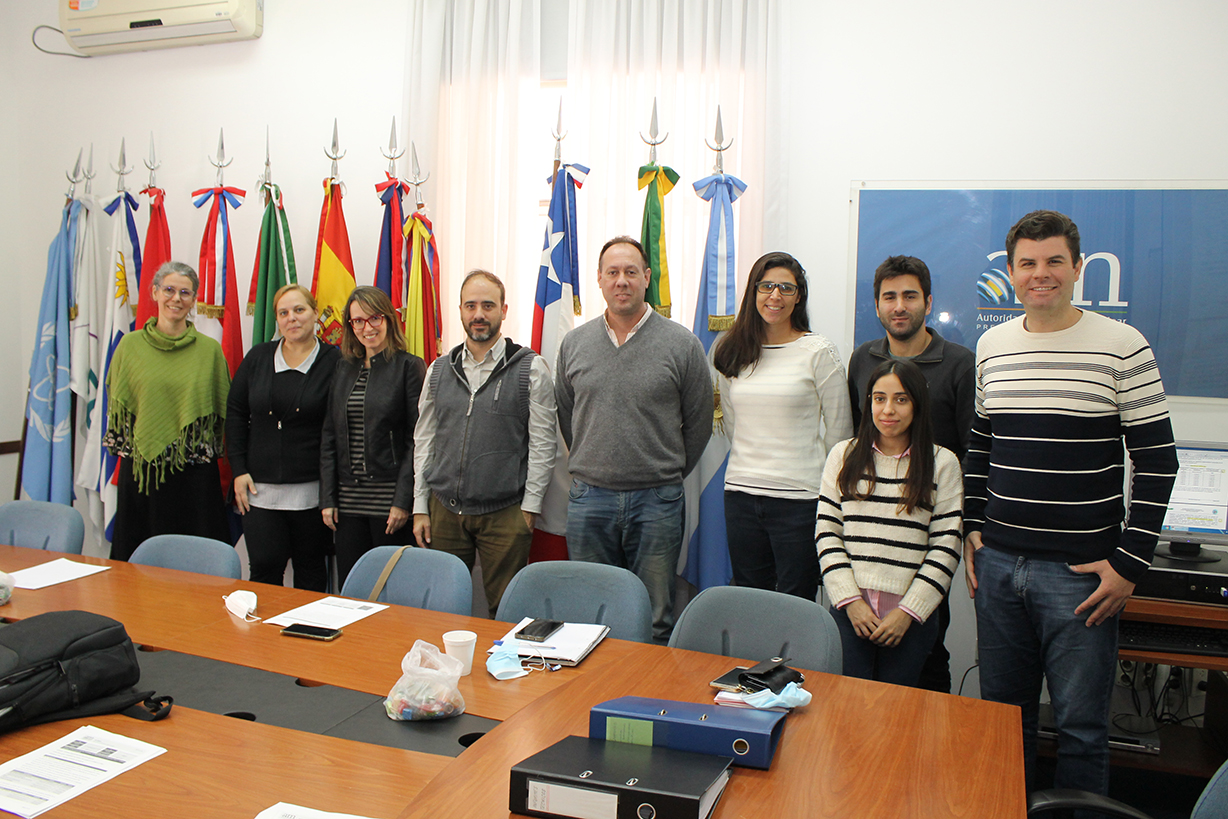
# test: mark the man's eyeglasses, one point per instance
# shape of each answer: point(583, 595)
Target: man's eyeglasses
point(785, 288)
point(375, 322)
point(171, 292)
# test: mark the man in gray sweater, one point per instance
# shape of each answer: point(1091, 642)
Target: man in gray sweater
point(635, 409)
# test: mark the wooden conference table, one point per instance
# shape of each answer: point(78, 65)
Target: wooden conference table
point(860, 749)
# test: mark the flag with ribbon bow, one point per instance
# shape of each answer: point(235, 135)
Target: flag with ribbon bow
point(46, 462)
point(422, 312)
point(390, 262)
point(718, 267)
point(659, 180)
point(157, 253)
point(274, 266)
point(99, 469)
point(333, 276)
point(217, 302)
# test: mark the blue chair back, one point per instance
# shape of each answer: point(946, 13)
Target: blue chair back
point(578, 592)
point(1213, 803)
point(756, 624)
point(189, 553)
point(41, 525)
point(422, 578)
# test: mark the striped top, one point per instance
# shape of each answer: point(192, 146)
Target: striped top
point(368, 497)
point(873, 544)
point(782, 415)
point(1045, 469)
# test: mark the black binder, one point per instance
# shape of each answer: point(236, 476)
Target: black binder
point(584, 778)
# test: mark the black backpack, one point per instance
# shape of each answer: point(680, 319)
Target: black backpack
point(66, 664)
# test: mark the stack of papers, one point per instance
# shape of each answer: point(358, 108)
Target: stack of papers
point(567, 646)
point(330, 612)
point(53, 572)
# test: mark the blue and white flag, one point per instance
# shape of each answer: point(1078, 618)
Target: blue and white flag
point(46, 472)
point(98, 471)
point(90, 260)
point(718, 290)
point(554, 310)
point(707, 551)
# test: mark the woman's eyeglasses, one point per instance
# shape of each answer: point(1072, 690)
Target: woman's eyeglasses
point(375, 322)
point(785, 288)
point(171, 292)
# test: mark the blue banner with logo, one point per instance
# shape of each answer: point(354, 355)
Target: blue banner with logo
point(1154, 259)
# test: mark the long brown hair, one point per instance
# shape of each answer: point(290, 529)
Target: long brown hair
point(859, 457)
point(743, 344)
point(374, 301)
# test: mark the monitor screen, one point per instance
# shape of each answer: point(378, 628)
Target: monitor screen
point(1198, 508)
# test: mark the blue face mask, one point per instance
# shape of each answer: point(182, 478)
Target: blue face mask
point(791, 696)
point(504, 663)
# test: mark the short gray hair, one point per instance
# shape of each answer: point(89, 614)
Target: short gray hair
point(179, 268)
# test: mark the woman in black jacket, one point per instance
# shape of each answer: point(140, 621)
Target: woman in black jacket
point(274, 414)
point(367, 449)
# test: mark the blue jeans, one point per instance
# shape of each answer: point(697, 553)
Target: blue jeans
point(636, 529)
point(1026, 630)
point(771, 543)
point(900, 665)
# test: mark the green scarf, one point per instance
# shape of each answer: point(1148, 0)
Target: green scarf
point(167, 397)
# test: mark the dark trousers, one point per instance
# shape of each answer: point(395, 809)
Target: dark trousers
point(936, 673)
point(188, 502)
point(771, 543)
point(359, 534)
point(275, 536)
point(900, 665)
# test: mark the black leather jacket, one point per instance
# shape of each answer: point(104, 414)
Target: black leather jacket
point(390, 414)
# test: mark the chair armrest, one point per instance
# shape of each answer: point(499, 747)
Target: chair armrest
point(1041, 802)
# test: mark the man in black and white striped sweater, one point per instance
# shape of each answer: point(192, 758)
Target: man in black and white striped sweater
point(1047, 558)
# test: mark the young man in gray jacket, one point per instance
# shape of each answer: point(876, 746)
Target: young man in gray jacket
point(484, 445)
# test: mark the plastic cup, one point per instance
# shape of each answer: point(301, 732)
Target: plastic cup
point(459, 644)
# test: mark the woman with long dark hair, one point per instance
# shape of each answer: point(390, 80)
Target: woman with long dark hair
point(784, 400)
point(889, 529)
point(274, 415)
point(367, 449)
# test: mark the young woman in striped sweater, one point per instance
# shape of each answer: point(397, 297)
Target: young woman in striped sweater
point(889, 529)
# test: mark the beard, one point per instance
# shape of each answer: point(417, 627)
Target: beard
point(914, 325)
point(484, 333)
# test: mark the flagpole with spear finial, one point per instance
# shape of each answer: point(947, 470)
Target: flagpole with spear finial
point(157, 250)
point(558, 133)
point(417, 180)
point(218, 298)
point(123, 169)
point(335, 154)
point(274, 266)
point(721, 146)
point(392, 154)
point(717, 288)
point(659, 180)
point(390, 267)
point(76, 176)
point(152, 163)
point(332, 278)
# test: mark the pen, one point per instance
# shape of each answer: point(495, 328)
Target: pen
point(529, 644)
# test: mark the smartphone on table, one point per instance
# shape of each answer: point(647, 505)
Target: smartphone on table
point(311, 632)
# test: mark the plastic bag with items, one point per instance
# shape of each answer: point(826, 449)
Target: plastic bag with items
point(428, 686)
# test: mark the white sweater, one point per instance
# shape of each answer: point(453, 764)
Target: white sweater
point(772, 418)
point(871, 544)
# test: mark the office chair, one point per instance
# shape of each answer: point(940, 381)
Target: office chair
point(1212, 804)
point(189, 553)
point(54, 527)
point(422, 578)
point(578, 592)
point(756, 624)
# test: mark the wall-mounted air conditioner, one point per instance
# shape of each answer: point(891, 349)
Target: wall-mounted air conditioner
point(111, 26)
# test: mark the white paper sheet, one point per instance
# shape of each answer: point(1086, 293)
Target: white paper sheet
point(285, 810)
point(55, 773)
point(54, 572)
point(331, 612)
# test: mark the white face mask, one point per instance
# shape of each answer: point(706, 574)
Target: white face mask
point(242, 604)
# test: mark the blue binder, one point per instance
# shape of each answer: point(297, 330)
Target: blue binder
point(746, 734)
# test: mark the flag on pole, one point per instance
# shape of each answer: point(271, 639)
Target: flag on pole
point(422, 312)
point(718, 267)
point(274, 266)
point(333, 275)
point(91, 266)
point(707, 551)
point(554, 311)
point(659, 180)
point(99, 469)
point(217, 303)
point(157, 253)
point(46, 463)
point(390, 263)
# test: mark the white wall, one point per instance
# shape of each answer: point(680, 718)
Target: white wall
point(968, 91)
point(958, 90)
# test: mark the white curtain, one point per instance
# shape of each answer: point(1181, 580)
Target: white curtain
point(691, 56)
point(472, 89)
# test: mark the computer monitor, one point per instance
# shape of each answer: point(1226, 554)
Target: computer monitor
point(1198, 508)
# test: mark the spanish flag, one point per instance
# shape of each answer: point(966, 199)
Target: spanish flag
point(659, 180)
point(333, 277)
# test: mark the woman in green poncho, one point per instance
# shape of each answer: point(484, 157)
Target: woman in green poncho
point(166, 411)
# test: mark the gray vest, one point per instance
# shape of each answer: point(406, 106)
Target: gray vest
point(481, 455)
